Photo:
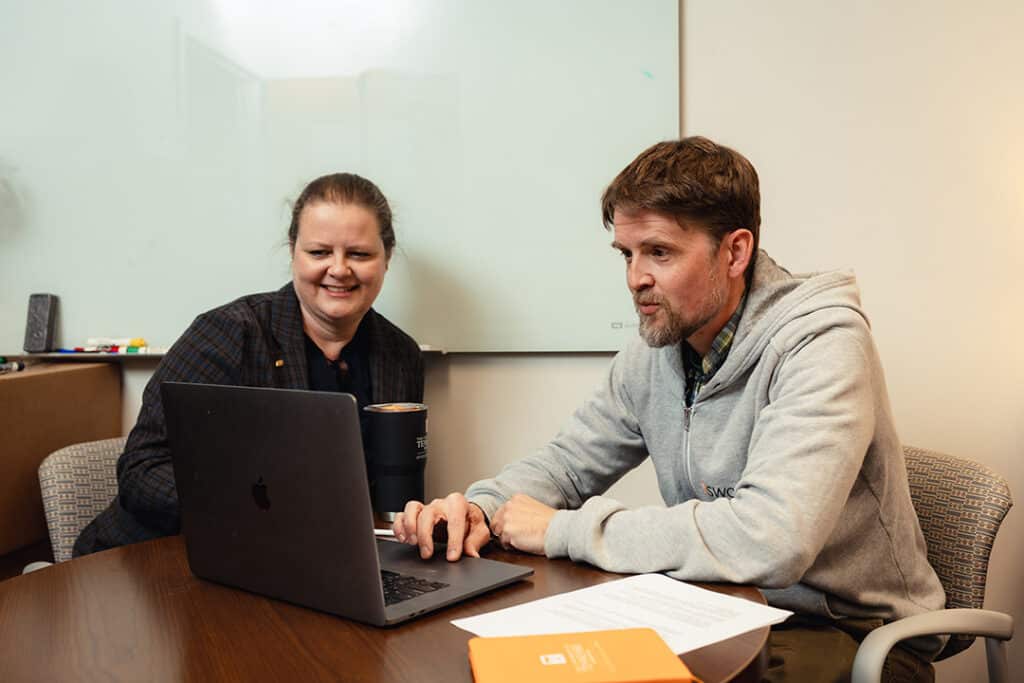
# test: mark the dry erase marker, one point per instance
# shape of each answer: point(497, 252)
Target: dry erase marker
point(12, 366)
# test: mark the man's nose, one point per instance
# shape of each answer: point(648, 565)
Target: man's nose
point(637, 277)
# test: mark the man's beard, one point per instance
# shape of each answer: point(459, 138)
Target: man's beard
point(676, 328)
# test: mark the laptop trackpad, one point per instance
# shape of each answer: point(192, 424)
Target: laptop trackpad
point(466, 578)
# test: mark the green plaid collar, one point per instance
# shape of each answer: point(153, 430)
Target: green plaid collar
point(699, 371)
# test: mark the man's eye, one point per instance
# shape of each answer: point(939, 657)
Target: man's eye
point(658, 252)
point(626, 255)
point(318, 252)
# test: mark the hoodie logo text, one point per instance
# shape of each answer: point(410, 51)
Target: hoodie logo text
point(718, 491)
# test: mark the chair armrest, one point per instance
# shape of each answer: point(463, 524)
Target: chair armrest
point(867, 665)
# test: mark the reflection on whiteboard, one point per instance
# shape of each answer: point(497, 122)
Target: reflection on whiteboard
point(150, 179)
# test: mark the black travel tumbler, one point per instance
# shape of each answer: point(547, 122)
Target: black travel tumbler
point(396, 454)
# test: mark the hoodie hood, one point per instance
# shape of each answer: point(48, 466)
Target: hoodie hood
point(776, 302)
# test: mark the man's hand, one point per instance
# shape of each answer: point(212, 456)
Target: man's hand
point(522, 522)
point(467, 528)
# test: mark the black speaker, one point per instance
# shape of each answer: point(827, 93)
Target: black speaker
point(42, 316)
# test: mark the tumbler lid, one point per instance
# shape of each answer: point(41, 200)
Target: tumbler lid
point(395, 407)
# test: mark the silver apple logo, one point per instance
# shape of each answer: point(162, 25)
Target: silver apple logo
point(259, 494)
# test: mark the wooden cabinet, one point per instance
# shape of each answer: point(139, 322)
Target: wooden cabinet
point(42, 408)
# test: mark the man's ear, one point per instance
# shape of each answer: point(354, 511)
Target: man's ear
point(740, 247)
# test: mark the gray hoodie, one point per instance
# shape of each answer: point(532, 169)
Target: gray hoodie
point(786, 473)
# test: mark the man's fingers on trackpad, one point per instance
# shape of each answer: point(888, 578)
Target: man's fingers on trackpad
point(475, 540)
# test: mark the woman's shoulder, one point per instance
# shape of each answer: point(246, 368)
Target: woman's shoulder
point(249, 307)
point(388, 336)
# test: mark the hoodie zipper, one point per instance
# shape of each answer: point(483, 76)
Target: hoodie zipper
point(687, 462)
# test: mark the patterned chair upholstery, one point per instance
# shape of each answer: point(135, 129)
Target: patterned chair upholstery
point(960, 505)
point(77, 483)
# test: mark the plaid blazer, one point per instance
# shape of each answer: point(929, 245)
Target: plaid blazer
point(257, 341)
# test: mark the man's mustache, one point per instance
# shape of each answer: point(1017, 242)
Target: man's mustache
point(647, 301)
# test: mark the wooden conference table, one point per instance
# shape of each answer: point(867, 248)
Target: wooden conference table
point(137, 613)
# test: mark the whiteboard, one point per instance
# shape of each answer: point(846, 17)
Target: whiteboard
point(149, 152)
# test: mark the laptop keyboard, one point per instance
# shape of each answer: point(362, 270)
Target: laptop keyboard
point(399, 587)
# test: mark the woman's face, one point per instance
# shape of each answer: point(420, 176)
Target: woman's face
point(338, 264)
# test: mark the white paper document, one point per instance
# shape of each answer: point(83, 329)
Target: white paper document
point(686, 617)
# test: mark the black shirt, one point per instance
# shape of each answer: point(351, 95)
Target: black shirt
point(349, 374)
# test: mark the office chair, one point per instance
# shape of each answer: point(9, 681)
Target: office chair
point(960, 505)
point(77, 483)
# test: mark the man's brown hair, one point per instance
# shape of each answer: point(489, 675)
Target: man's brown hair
point(700, 183)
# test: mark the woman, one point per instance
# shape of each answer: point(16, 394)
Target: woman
point(317, 332)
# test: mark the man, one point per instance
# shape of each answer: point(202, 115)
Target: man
point(760, 399)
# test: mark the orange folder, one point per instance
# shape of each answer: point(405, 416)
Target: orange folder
point(631, 655)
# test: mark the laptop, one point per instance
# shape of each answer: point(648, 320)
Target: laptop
point(274, 499)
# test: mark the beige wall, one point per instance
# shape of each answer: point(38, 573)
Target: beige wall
point(888, 139)
point(488, 410)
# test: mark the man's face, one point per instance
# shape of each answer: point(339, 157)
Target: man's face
point(676, 275)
